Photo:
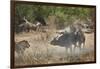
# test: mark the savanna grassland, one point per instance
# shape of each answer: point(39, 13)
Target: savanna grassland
point(42, 52)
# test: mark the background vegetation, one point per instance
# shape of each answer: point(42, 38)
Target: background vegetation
point(59, 15)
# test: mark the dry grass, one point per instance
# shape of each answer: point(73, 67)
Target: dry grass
point(42, 52)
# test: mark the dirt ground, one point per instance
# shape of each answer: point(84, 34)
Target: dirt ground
point(42, 52)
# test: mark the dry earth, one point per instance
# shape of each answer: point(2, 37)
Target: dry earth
point(42, 52)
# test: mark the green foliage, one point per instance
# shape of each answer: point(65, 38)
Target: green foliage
point(64, 14)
